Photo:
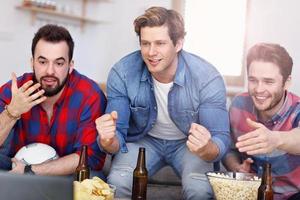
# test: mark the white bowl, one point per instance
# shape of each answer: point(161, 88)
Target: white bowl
point(234, 185)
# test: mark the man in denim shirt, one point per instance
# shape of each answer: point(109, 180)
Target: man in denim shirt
point(166, 100)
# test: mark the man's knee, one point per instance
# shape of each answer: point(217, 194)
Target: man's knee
point(121, 177)
point(196, 186)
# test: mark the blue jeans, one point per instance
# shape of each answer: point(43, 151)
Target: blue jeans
point(159, 153)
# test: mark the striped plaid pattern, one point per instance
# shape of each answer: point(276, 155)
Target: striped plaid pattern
point(72, 124)
point(285, 166)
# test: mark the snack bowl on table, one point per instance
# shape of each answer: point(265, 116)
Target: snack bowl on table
point(93, 189)
point(234, 185)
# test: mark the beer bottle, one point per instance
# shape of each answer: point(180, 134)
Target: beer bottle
point(82, 171)
point(265, 191)
point(140, 177)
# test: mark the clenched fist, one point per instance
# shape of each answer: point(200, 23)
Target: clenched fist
point(199, 142)
point(106, 127)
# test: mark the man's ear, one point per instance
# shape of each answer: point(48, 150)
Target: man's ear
point(179, 44)
point(288, 82)
point(71, 66)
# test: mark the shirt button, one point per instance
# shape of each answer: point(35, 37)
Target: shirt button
point(154, 107)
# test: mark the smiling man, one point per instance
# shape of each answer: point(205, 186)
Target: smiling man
point(54, 105)
point(265, 121)
point(166, 100)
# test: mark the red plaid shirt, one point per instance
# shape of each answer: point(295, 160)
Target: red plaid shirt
point(72, 124)
point(285, 166)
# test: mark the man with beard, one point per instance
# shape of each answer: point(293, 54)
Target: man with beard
point(54, 105)
point(265, 121)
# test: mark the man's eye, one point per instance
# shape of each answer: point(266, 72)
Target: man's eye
point(42, 62)
point(269, 82)
point(60, 64)
point(144, 43)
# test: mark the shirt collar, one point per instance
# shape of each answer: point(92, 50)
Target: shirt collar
point(180, 72)
point(146, 76)
point(285, 107)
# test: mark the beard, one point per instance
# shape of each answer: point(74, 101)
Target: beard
point(49, 91)
point(277, 97)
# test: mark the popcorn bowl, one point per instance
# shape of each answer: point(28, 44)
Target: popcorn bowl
point(234, 185)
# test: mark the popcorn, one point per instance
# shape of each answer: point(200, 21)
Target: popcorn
point(226, 187)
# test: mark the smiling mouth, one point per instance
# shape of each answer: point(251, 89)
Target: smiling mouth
point(260, 99)
point(154, 62)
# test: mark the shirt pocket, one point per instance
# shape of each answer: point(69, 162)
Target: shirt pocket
point(139, 117)
point(185, 118)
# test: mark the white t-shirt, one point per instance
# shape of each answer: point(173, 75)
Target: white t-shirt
point(164, 127)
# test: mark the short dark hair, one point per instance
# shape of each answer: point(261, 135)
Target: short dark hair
point(53, 33)
point(273, 53)
point(159, 16)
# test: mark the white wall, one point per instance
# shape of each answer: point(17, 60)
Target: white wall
point(96, 49)
point(100, 46)
point(277, 21)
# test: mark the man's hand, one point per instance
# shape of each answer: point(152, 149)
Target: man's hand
point(259, 141)
point(18, 166)
point(245, 166)
point(106, 127)
point(199, 142)
point(198, 138)
point(25, 97)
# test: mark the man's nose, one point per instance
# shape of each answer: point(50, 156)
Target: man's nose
point(259, 87)
point(50, 69)
point(152, 50)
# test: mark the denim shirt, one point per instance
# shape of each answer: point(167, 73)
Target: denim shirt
point(198, 95)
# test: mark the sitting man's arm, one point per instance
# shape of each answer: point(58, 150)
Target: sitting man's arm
point(106, 126)
point(290, 141)
point(20, 100)
point(262, 140)
point(62, 166)
point(199, 142)
point(210, 138)
point(112, 127)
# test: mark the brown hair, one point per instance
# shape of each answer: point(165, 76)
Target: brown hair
point(159, 16)
point(273, 53)
point(53, 33)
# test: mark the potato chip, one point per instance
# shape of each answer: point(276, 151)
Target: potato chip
point(92, 189)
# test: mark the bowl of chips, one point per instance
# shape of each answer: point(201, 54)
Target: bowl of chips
point(234, 185)
point(93, 189)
